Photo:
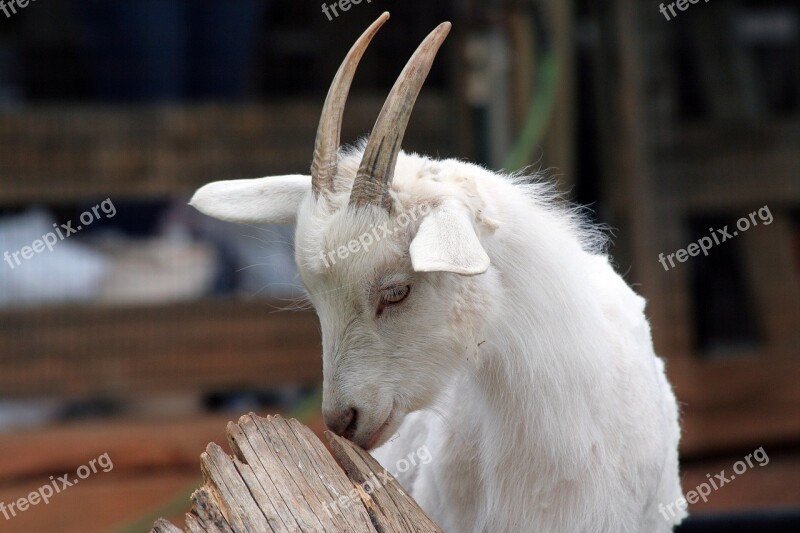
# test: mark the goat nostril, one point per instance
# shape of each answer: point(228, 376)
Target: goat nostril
point(350, 425)
point(342, 422)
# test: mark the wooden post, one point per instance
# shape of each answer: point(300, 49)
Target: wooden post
point(282, 478)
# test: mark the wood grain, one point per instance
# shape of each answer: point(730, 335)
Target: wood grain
point(390, 508)
point(281, 478)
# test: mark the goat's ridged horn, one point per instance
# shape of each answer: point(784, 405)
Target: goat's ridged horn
point(374, 176)
point(323, 167)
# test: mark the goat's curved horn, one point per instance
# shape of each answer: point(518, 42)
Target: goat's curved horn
point(326, 146)
point(374, 176)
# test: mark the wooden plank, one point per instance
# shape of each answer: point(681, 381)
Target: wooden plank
point(389, 507)
point(737, 403)
point(122, 351)
point(205, 515)
point(58, 153)
point(101, 503)
point(724, 166)
point(334, 484)
point(774, 485)
point(281, 479)
point(233, 492)
point(290, 498)
point(266, 491)
point(290, 450)
point(773, 273)
point(162, 526)
point(172, 445)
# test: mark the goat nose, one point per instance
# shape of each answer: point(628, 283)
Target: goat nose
point(342, 422)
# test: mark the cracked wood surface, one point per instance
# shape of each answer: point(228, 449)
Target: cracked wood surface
point(281, 478)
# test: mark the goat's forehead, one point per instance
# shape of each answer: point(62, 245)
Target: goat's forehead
point(349, 246)
point(335, 240)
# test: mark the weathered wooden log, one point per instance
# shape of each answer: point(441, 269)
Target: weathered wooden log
point(281, 478)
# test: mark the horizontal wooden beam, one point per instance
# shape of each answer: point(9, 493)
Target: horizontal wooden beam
point(731, 166)
point(62, 153)
point(737, 402)
point(80, 351)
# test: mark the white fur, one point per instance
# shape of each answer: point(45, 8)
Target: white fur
point(533, 380)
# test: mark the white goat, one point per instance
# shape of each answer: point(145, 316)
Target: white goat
point(492, 330)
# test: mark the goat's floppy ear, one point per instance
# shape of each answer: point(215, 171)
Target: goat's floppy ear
point(272, 200)
point(446, 242)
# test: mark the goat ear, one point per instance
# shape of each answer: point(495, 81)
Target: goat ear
point(446, 242)
point(272, 200)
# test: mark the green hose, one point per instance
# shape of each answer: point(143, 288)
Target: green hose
point(538, 116)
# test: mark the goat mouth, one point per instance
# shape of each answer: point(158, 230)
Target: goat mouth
point(375, 438)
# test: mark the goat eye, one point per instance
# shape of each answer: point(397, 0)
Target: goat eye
point(394, 295)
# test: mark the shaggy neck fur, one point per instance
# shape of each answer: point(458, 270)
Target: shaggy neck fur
point(563, 421)
point(534, 399)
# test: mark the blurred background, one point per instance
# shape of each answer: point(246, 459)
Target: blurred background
point(141, 333)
